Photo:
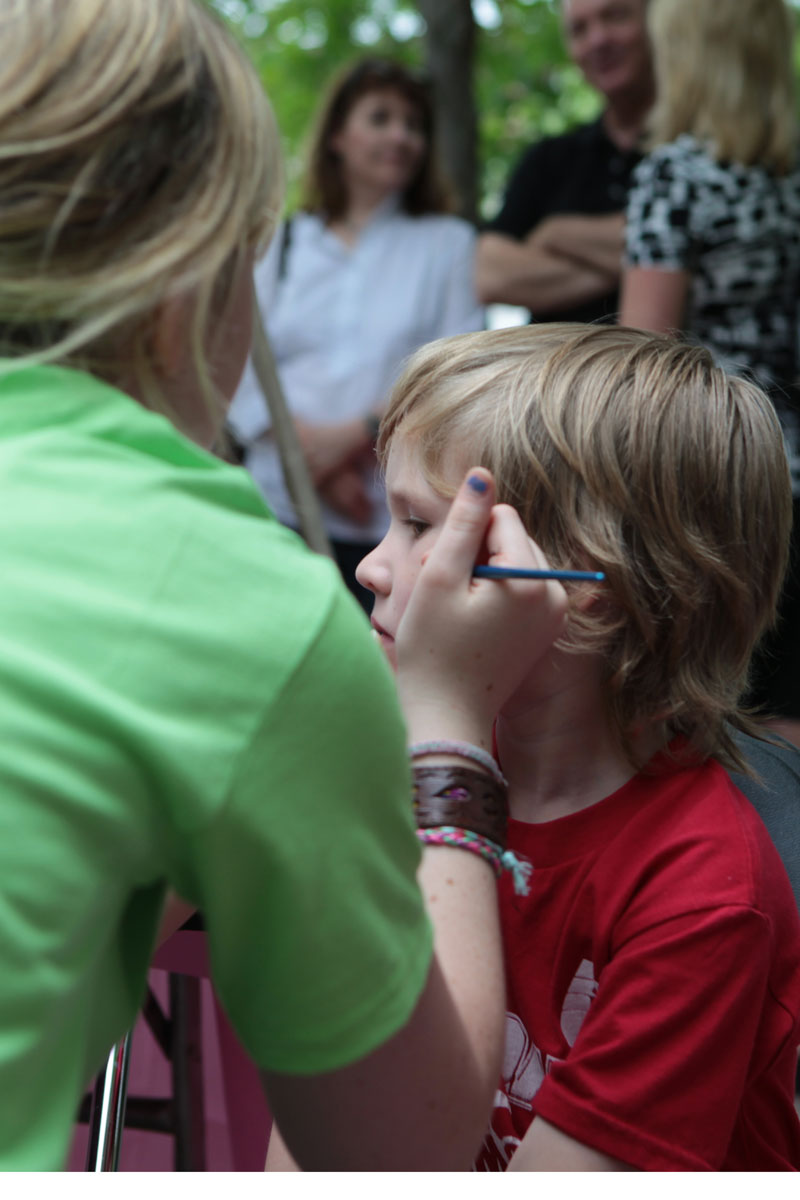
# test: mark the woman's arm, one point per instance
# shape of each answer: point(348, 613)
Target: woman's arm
point(661, 242)
point(421, 1101)
point(436, 1078)
point(545, 1148)
point(654, 298)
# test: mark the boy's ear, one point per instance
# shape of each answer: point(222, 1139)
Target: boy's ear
point(170, 337)
point(589, 596)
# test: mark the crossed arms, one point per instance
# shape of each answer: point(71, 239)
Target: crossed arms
point(567, 260)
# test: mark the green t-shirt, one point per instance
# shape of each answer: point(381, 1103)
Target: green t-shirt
point(187, 696)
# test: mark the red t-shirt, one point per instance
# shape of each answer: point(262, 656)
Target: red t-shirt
point(653, 977)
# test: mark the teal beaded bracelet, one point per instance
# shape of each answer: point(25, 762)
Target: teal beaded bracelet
point(499, 859)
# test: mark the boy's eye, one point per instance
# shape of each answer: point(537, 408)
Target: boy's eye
point(416, 525)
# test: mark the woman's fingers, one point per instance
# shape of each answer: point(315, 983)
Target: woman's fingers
point(465, 645)
point(345, 491)
point(508, 542)
point(463, 533)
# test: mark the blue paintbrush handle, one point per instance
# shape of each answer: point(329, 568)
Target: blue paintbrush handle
point(524, 573)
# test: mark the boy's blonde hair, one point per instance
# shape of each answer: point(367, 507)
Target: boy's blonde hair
point(138, 163)
point(724, 72)
point(632, 454)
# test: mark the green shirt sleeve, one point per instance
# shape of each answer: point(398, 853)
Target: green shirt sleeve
point(319, 941)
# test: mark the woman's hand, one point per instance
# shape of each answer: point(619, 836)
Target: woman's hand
point(327, 448)
point(465, 645)
point(346, 493)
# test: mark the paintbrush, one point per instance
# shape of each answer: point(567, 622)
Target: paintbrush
point(485, 572)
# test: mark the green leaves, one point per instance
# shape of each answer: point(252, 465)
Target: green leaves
point(525, 85)
point(298, 46)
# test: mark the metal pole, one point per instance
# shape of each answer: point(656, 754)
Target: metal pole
point(295, 470)
point(107, 1117)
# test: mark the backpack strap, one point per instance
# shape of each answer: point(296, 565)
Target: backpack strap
point(286, 242)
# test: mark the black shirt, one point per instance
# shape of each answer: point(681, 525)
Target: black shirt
point(775, 796)
point(577, 172)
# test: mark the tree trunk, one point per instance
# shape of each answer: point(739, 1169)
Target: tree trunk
point(450, 46)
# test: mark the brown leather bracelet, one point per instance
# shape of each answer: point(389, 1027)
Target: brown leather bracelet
point(450, 795)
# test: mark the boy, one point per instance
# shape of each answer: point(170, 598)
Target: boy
point(653, 970)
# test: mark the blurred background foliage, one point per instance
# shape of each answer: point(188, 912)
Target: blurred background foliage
point(525, 86)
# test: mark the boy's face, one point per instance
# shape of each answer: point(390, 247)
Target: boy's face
point(417, 514)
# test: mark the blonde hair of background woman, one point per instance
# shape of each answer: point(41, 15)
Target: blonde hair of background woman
point(724, 72)
point(633, 454)
point(138, 163)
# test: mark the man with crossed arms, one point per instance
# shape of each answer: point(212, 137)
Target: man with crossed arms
point(556, 245)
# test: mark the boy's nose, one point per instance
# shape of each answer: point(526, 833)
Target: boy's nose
point(372, 575)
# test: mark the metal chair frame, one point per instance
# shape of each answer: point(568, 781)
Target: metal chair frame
point(109, 1110)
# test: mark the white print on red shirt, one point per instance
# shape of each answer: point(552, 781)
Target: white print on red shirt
point(524, 1067)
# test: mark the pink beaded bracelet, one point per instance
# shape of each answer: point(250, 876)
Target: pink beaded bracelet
point(498, 858)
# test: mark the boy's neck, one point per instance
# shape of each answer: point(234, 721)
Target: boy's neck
point(558, 751)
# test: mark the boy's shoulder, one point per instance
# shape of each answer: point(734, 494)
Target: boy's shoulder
point(673, 840)
point(694, 842)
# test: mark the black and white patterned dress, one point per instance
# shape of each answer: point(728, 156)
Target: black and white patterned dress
point(736, 230)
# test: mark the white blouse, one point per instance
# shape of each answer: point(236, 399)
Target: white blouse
point(342, 320)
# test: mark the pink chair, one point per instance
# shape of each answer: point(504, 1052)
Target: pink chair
point(204, 1057)
point(248, 1117)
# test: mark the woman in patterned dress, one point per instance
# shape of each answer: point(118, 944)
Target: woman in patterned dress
point(713, 234)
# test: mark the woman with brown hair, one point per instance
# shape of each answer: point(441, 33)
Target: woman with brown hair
point(370, 268)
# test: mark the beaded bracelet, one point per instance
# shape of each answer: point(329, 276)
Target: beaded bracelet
point(499, 859)
point(461, 750)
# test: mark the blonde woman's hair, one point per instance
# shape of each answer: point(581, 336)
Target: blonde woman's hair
point(632, 454)
point(138, 163)
point(724, 72)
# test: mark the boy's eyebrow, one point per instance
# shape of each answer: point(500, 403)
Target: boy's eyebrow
point(402, 498)
point(408, 497)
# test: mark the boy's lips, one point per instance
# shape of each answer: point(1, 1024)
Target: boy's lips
point(385, 641)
